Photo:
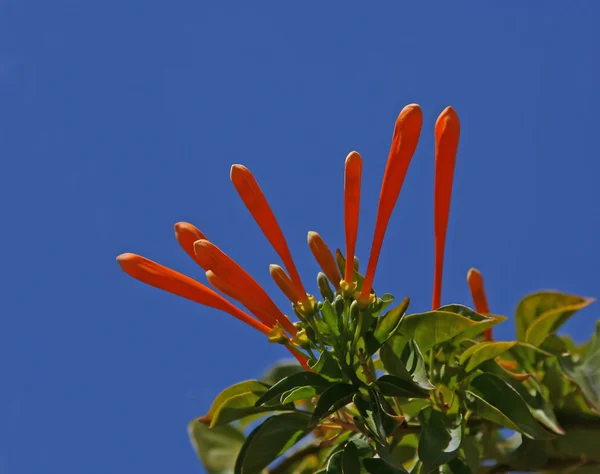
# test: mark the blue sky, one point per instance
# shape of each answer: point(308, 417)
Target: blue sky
point(118, 119)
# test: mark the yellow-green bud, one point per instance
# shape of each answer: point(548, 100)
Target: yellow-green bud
point(324, 288)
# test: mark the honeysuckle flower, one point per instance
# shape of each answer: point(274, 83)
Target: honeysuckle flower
point(324, 258)
point(158, 276)
point(404, 143)
point(447, 133)
point(225, 275)
point(352, 179)
point(255, 201)
point(475, 282)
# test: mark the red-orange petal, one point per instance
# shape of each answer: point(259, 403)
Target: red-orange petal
point(248, 290)
point(259, 208)
point(447, 133)
point(475, 282)
point(283, 282)
point(186, 234)
point(324, 258)
point(352, 179)
point(164, 278)
point(404, 143)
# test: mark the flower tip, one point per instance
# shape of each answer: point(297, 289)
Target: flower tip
point(449, 120)
point(126, 258)
point(236, 170)
point(352, 156)
point(312, 235)
point(474, 276)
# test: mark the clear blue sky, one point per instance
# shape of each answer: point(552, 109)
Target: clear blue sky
point(120, 118)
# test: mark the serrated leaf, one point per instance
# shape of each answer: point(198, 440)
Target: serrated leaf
point(299, 379)
point(435, 327)
point(270, 440)
point(534, 306)
point(440, 439)
point(217, 448)
point(392, 386)
point(479, 353)
point(332, 399)
point(241, 406)
point(499, 402)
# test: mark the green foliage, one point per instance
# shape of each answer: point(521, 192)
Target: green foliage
point(390, 392)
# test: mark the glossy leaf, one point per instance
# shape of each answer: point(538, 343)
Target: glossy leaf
point(435, 327)
point(392, 386)
point(217, 448)
point(334, 465)
point(350, 459)
point(281, 370)
point(241, 406)
point(379, 466)
point(500, 403)
point(327, 366)
point(440, 439)
point(485, 321)
point(248, 386)
point(332, 399)
point(477, 354)
point(331, 318)
point(371, 413)
point(403, 359)
point(270, 440)
point(557, 307)
point(386, 327)
point(586, 374)
point(299, 379)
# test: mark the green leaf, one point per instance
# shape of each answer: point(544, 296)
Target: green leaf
point(550, 321)
point(249, 386)
point(435, 327)
point(332, 399)
point(350, 459)
point(241, 406)
point(479, 353)
point(586, 374)
point(270, 440)
point(334, 465)
point(392, 386)
point(440, 439)
point(386, 327)
point(217, 448)
point(456, 466)
point(403, 359)
point(485, 321)
point(370, 411)
point(300, 393)
point(379, 466)
point(500, 403)
point(281, 370)
point(531, 392)
point(557, 307)
point(331, 318)
point(327, 366)
point(299, 379)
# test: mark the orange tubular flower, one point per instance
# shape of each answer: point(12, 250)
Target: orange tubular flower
point(255, 201)
point(158, 276)
point(324, 258)
point(186, 234)
point(352, 178)
point(404, 143)
point(447, 133)
point(283, 282)
point(475, 282)
point(247, 290)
